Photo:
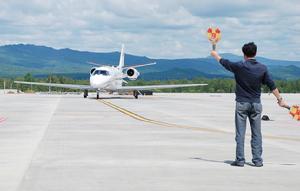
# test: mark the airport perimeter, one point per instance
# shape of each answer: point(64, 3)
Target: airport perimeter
point(162, 142)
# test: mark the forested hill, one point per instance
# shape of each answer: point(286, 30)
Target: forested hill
point(17, 60)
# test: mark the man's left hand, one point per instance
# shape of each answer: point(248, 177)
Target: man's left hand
point(215, 55)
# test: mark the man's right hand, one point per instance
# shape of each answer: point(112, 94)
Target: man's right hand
point(282, 103)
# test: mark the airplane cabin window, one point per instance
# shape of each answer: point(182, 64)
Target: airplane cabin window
point(101, 72)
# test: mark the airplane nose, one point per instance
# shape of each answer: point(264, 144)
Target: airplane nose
point(99, 81)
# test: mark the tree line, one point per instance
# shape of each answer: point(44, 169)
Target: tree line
point(217, 85)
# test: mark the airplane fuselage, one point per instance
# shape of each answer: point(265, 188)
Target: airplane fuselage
point(106, 77)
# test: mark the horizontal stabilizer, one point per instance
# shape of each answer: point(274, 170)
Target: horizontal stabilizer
point(140, 65)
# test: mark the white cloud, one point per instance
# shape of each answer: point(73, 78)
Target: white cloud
point(168, 29)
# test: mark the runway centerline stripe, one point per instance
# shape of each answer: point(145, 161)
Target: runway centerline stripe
point(165, 124)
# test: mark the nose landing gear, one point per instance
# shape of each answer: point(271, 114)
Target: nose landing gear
point(86, 93)
point(98, 94)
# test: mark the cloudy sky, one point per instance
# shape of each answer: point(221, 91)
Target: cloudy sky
point(154, 28)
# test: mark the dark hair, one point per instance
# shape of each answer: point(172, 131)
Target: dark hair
point(249, 49)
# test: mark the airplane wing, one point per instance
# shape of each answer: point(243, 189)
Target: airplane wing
point(129, 88)
point(140, 65)
point(71, 86)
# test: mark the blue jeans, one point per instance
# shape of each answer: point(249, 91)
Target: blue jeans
point(253, 112)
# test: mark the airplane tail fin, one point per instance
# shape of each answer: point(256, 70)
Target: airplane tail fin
point(121, 62)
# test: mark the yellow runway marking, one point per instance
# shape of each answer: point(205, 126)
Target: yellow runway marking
point(141, 118)
point(164, 124)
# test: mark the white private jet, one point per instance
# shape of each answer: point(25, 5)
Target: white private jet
point(110, 78)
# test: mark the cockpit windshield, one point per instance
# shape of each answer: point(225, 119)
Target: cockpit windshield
point(101, 72)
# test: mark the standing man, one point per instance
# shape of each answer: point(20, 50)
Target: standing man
point(249, 76)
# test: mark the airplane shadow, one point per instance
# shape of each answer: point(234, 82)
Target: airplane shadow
point(111, 98)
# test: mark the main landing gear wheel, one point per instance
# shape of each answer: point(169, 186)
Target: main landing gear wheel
point(136, 94)
point(85, 93)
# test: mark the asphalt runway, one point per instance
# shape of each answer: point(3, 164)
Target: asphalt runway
point(161, 142)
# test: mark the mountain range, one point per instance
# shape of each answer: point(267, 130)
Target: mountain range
point(17, 60)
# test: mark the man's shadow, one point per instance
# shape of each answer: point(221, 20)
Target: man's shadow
point(231, 161)
point(214, 161)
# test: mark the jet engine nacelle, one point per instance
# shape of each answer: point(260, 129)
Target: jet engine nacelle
point(132, 73)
